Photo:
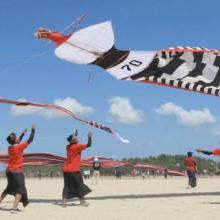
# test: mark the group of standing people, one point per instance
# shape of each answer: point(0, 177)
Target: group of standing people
point(73, 181)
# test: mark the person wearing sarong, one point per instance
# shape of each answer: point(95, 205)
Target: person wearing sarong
point(73, 181)
point(191, 168)
point(15, 176)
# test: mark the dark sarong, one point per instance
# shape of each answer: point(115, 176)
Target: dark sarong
point(74, 186)
point(192, 178)
point(16, 185)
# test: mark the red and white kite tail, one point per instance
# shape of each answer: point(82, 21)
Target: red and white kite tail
point(92, 123)
point(106, 129)
point(66, 111)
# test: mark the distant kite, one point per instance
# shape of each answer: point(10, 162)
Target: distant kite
point(191, 68)
point(66, 111)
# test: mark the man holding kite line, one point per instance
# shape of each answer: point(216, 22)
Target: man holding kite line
point(73, 181)
point(15, 176)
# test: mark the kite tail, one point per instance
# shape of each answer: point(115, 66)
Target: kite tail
point(92, 123)
point(66, 111)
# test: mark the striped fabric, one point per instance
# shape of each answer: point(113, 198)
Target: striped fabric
point(67, 112)
point(36, 159)
point(190, 68)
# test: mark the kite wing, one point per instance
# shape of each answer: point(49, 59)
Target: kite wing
point(66, 111)
point(86, 45)
point(191, 68)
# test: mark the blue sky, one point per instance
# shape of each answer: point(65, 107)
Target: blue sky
point(189, 121)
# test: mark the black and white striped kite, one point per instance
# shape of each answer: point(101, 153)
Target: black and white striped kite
point(191, 68)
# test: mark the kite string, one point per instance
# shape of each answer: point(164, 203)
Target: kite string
point(32, 57)
point(28, 60)
point(76, 21)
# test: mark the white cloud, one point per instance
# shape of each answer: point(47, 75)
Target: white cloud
point(68, 103)
point(122, 111)
point(191, 117)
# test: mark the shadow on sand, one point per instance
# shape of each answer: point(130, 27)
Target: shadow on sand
point(133, 196)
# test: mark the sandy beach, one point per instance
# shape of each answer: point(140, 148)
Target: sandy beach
point(114, 199)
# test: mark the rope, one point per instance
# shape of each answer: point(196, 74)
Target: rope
point(76, 21)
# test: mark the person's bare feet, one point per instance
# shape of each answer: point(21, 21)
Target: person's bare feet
point(84, 203)
point(64, 202)
point(15, 210)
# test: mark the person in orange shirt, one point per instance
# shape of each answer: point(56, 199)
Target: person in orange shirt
point(213, 152)
point(191, 168)
point(73, 181)
point(15, 176)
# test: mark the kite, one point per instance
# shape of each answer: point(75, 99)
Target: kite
point(39, 159)
point(36, 159)
point(105, 162)
point(155, 167)
point(66, 111)
point(190, 68)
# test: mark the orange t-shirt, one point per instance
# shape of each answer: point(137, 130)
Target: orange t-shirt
point(190, 163)
point(15, 156)
point(57, 38)
point(72, 163)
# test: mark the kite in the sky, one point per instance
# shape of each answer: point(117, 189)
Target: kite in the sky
point(66, 111)
point(191, 68)
point(212, 152)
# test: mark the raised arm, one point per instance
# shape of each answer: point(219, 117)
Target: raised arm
point(22, 135)
point(89, 143)
point(31, 138)
point(204, 151)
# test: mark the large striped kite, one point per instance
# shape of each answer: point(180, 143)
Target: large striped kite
point(191, 68)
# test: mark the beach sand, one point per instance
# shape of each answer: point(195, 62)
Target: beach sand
point(123, 199)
